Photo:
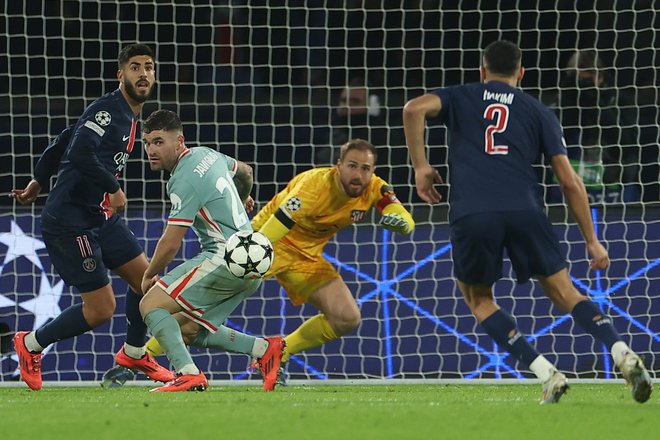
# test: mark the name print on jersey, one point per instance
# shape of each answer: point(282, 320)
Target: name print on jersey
point(204, 164)
point(504, 98)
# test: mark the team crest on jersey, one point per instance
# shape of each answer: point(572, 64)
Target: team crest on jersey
point(89, 264)
point(357, 215)
point(103, 118)
point(293, 204)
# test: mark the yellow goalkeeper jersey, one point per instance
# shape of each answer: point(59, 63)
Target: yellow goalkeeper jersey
point(314, 207)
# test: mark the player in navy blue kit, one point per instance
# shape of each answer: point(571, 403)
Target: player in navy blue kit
point(496, 132)
point(82, 231)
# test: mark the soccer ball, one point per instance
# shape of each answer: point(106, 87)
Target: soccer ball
point(248, 254)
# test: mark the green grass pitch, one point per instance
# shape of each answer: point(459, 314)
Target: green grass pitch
point(343, 412)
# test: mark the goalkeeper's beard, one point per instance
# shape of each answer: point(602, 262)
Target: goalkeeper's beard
point(351, 191)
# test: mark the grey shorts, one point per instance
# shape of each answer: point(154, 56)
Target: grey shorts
point(206, 290)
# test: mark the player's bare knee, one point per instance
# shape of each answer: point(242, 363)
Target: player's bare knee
point(144, 308)
point(98, 315)
point(147, 303)
point(347, 322)
point(190, 332)
point(354, 318)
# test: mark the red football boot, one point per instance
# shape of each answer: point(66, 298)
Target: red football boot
point(147, 364)
point(269, 363)
point(185, 382)
point(29, 363)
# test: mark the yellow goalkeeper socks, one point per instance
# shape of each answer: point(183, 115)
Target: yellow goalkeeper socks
point(312, 333)
point(153, 347)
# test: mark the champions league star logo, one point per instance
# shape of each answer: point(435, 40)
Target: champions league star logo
point(103, 118)
point(45, 304)
point(293, 204)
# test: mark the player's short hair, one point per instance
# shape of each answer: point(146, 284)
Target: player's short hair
point(357, 144)
point(502, 58)
point(128, 52)
point(162, 120)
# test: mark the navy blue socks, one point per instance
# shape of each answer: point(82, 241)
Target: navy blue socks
point(68, 324)
point(136, 329)
point(502, 328)
point(590, 318)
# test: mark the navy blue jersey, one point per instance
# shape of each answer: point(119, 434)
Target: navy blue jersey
point(49, 161)
point(95, 157)
point(496, 133)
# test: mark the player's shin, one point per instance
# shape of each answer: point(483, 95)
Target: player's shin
point(311, 333)
point(136, 329)
point(166, 329)
point(71, 322)
point(226, 339)
point(589, 317)
point(502, 328)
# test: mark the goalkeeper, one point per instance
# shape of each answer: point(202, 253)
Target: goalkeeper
point(301, 219)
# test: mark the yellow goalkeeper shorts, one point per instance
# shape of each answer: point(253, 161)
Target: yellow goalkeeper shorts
point(300, 276)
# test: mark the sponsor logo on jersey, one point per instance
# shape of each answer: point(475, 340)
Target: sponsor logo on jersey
point(293, 204)
point(103, 118)
point(357, 215)
point(89, 264)
point(176, 204)
point(120, 160)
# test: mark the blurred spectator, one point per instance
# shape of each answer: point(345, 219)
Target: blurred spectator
point(358, 114)
point(361, 113)
point(648, 100)
point(600, 125)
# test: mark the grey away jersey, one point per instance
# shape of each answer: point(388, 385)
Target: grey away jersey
point(203, 195)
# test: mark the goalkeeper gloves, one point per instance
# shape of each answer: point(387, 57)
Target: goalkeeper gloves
point(395, 223)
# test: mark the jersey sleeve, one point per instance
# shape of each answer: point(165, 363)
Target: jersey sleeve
point(446, 98)
point(382, 194)
point(301, 201)
point(94, 124)
point(50, 159)
point(552, 139)
point(185, 203)
point(232, 164)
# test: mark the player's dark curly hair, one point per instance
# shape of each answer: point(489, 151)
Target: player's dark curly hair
point(358, 144)
point(162, 120)
point(502, 58)
point(128, 52)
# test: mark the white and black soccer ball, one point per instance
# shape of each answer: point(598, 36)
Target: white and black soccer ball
point(248, 254)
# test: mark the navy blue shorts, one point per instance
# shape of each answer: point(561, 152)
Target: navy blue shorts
point(82, 257)
point(478, 242)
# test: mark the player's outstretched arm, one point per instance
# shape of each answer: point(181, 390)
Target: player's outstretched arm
point(576, 197)
point(46, 166)
point(49, 161)
point(415, 113)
